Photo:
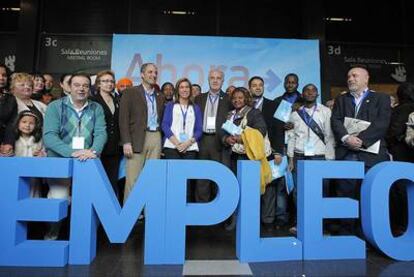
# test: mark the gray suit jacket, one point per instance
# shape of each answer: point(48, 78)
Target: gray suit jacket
point(222, 110)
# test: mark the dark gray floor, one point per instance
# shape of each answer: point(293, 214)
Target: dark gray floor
point(212, 243)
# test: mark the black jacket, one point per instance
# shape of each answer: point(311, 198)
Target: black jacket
point(8, 115)
point(222, 110)
point(112, 126)
point(376, 109)
point(396, 133)
point(275, 126)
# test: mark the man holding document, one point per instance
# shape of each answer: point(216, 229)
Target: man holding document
point(276, 114)
point(360, 120)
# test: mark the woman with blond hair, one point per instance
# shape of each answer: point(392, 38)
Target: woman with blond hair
point(21, 87)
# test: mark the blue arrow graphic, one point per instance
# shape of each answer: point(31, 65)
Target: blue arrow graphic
point(272, 80)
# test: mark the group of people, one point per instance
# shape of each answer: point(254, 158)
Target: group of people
point(179, 122)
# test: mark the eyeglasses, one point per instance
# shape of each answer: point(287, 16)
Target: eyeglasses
point(85, 86)
point(108, 81)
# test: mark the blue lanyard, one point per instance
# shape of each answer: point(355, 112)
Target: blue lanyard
point(235, 116)
point(184, 116)
point(151, 98)
point(79, 127)
point(212, 102)
point(258, 103)
point(357, 107)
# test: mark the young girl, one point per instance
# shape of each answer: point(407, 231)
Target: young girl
point(29, 142)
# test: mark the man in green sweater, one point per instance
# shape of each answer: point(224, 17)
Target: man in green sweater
point(73, 127)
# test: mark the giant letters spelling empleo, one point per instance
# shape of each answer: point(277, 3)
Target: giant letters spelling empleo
point(161, 189)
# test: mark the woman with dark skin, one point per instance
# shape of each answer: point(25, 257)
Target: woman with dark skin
point(242, 114)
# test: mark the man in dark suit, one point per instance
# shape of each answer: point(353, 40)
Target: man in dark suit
point(359, 103)
point(140, 116)
point(277, 132)
point(214, 106)
point(270, 206)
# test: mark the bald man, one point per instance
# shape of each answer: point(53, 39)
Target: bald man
point(359, 103)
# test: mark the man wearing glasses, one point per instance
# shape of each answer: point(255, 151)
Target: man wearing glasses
point(73, 127)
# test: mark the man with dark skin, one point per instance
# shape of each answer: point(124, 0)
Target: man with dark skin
point(312, 137)
point(277, 129)
point(167, 90)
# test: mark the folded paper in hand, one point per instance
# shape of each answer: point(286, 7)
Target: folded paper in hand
point(278, 170)
point(281, 170)
point(283, 111)
point(355, 126)
point(231, 128)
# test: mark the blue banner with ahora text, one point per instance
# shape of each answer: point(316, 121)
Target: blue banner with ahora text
point(239, 58)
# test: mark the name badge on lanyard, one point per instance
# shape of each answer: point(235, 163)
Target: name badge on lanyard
point(153, 124)
point(211, 123)
point(78, 141)
point(183, 136)
point(309, 148)
point(211, 118)
point(358, 106)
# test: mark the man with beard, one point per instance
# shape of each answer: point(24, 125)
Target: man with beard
point(359, 103)
point(167, 89)
point(271, 208)
point(312, 137)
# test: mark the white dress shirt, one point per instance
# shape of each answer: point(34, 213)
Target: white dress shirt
point(301, 133)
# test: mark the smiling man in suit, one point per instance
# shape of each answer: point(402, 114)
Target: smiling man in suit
point(140, 115)
point(214, 106)
point(363, 104)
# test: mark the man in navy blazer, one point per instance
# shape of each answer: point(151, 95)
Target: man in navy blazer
point(360, 103)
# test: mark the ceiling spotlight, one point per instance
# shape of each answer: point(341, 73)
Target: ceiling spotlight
point(339, 19)
point(179, 12)
point(11, 9)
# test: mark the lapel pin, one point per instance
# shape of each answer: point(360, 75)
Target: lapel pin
point(367, 101)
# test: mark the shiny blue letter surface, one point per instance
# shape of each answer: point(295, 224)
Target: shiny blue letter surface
point(16, 208)
point(250, 247)
point(375, 210)
point(313, 208)
point(180, 214)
